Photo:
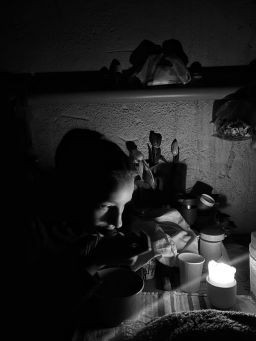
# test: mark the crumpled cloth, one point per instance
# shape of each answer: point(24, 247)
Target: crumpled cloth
point(160, 70)
point(170, 234)
point(170, 229)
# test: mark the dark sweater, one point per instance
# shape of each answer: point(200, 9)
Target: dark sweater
point(55, 285)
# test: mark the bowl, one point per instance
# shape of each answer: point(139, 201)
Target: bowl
point(116, 298)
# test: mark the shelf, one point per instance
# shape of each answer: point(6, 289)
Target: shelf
point(139, 95)
point(103, 87)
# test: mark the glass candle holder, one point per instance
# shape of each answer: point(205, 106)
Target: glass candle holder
point(221, 297)
point(221, 285)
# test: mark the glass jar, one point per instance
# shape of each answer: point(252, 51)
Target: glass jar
point(188, 209)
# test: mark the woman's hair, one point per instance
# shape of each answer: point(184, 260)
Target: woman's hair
point(88, 164)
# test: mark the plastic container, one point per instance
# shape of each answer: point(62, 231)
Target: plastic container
point(252, 261)
point(210, 244)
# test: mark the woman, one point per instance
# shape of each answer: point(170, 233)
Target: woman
point(75, 228)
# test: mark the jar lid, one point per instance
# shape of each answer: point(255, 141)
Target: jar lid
point(212, 234)
point(207, 200)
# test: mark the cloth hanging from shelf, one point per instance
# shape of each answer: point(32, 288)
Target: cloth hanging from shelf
point(234, 116)
point(160, 64)
point(161, 70)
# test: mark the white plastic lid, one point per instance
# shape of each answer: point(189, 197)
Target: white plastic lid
point(212, 234)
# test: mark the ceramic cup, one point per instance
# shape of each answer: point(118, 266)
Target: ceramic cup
point(191, 268)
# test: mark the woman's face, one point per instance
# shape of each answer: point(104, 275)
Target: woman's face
point(108, 214)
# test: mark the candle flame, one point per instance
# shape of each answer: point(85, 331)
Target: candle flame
point(221, 273)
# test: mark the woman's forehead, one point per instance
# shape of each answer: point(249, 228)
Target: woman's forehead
point(122, 192)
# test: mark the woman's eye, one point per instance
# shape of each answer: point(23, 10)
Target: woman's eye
point(103, 206)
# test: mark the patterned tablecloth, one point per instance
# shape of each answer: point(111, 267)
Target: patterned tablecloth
point(156, 304)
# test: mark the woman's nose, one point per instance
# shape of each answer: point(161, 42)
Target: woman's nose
point(116, 218)
point(119, 220)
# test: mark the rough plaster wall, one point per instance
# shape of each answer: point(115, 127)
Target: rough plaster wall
point(53, 35)
point(229, 167)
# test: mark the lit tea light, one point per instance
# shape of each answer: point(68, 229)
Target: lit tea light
point(221, 285)
point(221, 274)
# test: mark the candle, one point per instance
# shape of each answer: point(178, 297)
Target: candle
point(221, 285)
point(221, 274)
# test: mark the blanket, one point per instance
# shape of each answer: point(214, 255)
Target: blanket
point(209, 324)
point(165, 312)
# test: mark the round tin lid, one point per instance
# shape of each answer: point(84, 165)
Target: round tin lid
point(212, 234)
point(207, 200)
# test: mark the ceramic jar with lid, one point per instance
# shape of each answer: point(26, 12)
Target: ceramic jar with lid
point(210, 243)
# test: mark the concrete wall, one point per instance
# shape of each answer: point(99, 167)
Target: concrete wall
point(54, 35)
point(65, 35)
point(229, 167)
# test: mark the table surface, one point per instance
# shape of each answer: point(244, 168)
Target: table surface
point(162, 295)
point(233, 252)
point(155, 305)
